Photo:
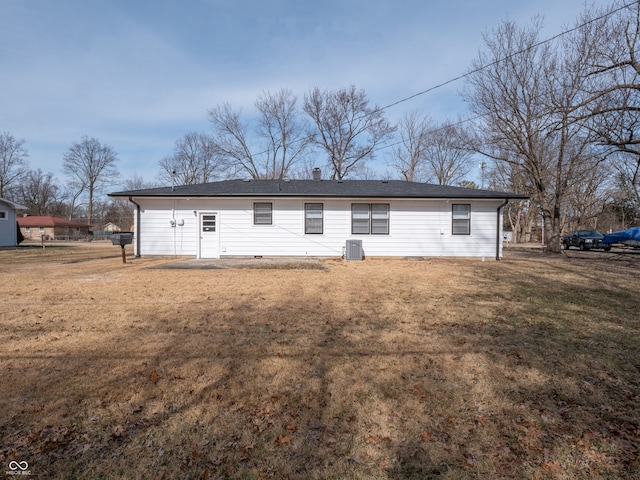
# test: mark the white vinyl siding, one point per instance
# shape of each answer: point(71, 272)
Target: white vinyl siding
point(415, 228)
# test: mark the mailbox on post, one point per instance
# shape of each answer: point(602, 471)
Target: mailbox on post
point(122, 239)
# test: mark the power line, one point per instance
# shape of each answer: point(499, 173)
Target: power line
point(495, 62)
point(483, 67)
point(479, 69)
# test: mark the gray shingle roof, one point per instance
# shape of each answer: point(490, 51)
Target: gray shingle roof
point(318, 188)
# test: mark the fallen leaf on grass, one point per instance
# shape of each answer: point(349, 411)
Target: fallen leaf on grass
point(283, 440)
point(374, 439)
point(154, 377)
point(248, 447)
point(292, 428)
point(426, 436)
point(552, 467)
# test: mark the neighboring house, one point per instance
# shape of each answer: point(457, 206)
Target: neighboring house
point(34, 227)
point(8, 225)
point(111, 228)
point(317, 218)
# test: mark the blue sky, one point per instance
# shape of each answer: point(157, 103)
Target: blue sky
point(138, 74)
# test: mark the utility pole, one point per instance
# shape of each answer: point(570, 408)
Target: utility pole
point(483, 165)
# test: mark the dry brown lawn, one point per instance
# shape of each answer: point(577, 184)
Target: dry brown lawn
point(387, 369)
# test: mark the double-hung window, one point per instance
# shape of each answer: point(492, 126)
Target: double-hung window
point(370, 218)
point(262, 213)
point(313, 213)
point(461, 219)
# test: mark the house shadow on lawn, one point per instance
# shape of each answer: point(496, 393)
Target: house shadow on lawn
point(536, 379)
point(562, 348)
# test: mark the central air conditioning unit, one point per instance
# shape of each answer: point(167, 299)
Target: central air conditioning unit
point(353, 250)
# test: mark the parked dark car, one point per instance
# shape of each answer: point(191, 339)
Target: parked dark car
point(585, 240)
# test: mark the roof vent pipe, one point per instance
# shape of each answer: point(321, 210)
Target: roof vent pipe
point(317, 173)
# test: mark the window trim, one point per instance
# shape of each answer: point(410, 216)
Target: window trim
point(307, 218)
point(256, 214)
point(461, 221)
point(370, 219)
point(4, 215)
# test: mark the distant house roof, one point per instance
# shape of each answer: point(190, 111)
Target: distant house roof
point(48, 221)
point(13, 205)
point(318, 188)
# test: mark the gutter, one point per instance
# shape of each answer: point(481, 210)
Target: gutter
point(137, 227)
point(498, 239)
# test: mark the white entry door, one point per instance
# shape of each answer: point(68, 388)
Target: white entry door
point(209, 239)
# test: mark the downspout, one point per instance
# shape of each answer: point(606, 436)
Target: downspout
point(137, 227)
point(498, 239)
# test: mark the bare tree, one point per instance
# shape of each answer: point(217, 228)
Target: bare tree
point(409, 151)
point(270, 150)
point(612, 87)
point(283, 133)
point(628, 175)
point(523, 92)
point(40, 193)
point(347, 128)
point(13, 161)
point(447, 159)
point(136, 182)
point(519, 215)
point(231, 138)
point(194, 160)
point(120, 211)
point(91, 166)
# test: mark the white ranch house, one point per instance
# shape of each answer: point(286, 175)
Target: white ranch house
point(319, 218)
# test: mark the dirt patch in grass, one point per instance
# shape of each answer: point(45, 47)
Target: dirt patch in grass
point(441, 368)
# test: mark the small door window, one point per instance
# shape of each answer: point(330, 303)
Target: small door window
point(208, 223)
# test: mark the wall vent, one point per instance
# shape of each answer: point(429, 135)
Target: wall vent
point(353, 250)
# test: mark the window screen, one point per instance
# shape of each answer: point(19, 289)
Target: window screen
point(461, 219)
point(262, 214)
point(313, 217)
point(380, 219)
point(370, 218)
point(360, 218)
